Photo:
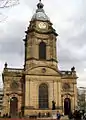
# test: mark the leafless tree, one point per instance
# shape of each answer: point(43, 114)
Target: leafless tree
point(6, 4)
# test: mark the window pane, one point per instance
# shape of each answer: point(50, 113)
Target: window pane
point(43, 96)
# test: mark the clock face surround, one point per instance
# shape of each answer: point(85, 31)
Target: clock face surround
point(42, 25)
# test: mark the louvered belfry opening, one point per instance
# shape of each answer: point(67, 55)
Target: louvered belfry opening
point(42, 50)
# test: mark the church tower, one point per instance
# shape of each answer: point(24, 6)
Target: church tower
point(41, 65)
point(44, 83)
point(40, 42)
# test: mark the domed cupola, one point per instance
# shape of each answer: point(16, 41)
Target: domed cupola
point(40, 22)
point(40, 13)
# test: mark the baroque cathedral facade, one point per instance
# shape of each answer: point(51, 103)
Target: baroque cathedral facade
point(40, 87)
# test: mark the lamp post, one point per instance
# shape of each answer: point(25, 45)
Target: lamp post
point(84, 90)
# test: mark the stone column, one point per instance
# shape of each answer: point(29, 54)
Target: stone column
point(51, 94)
point(27, 91)
point(59, 93)
point(56, 92)
point(33, 93)
point(72, 103)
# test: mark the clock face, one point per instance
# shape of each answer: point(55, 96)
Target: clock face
point(42, 25)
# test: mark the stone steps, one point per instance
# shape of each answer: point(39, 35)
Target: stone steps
point(49, 118)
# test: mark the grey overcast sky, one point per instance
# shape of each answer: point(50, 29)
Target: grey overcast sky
point(69, 20)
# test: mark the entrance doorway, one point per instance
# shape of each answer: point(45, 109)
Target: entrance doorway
point(67, 106)
point(13, 107)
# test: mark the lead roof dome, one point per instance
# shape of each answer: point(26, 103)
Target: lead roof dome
point(40, 13)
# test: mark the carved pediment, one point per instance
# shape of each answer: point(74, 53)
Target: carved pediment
point(43, 71)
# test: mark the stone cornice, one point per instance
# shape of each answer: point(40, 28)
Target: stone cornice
point(14, 93)
point(42, 59)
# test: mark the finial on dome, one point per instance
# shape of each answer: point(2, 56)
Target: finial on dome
point(40, 5)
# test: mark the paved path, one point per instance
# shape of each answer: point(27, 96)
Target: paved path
point(54, 118)
point(64, 118)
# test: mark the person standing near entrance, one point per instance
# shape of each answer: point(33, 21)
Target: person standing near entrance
point(58, 115)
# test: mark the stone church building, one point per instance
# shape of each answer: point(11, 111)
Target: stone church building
point(40, 87)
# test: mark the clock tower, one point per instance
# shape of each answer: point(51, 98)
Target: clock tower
point(40, 42)
point(41, 65)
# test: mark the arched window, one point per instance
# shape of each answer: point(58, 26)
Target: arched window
point(42, 50)
point(43, 96)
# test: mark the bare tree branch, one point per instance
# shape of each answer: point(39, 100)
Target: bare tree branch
point(2, 17)
point(3, 3)
point(6, 4)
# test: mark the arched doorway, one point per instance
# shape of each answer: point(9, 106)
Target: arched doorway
point(13, 107)
point(67, 106)
point(43, 96)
